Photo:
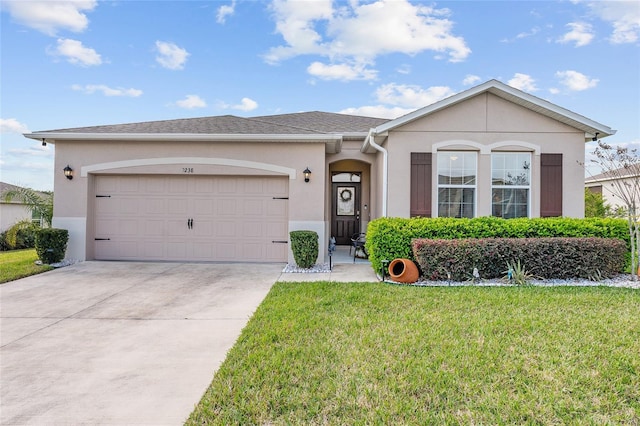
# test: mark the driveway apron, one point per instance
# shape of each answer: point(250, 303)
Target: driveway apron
point(120, 342)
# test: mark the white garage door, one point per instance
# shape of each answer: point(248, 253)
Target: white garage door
point(191, 218)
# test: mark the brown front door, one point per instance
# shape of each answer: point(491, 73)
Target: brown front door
point(345, 217)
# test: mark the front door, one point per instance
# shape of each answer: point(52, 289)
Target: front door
point(345, 220)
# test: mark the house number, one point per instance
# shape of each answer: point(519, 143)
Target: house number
point(187, 170)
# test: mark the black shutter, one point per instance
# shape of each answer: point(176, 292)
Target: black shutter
point(420, 184)
point(550, 185)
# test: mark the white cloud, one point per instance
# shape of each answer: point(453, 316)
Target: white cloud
point(224, 11)
point(76, 53)
point(575, 81)
point(342, 72)
point(246, 104)
point(396, 100)
point(624, 16)
point(170, 55)
point(191, 102)
point(11, 125)
point(411, 96)
point(532, 32)
point(51, 16)
point(404, 69)
point(523, 82)
point(470, 79)
point(33, 151)
point(356, 33)
point(379, 111)
point(581, 34)
point(90, 89)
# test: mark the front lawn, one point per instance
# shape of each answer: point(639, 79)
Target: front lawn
point(334, 353)
point(19, 264)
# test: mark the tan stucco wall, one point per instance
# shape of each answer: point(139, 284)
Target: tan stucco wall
point(485, 124)
point(609, 192)
point(73, 198)
point(11, 213)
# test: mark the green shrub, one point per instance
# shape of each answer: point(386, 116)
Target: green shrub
point(542, 257)
point(25, 238)
point(51, 244)
point(304, 245)
point(390, 238)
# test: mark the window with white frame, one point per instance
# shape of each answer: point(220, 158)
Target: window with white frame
point(457, 183)
point(510, 184)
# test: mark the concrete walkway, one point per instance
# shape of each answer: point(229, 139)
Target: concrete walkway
point(114, 343)
point(120, 343)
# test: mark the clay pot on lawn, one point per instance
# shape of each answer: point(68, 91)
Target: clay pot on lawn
point(403, 271)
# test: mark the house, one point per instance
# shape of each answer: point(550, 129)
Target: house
point(230, 188)
point(609, 184)
point(14, 211)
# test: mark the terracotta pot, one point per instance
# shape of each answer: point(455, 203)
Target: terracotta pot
point(403, 271)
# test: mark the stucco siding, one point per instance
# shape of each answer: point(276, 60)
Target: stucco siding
point(73, 198)
point(494, 125)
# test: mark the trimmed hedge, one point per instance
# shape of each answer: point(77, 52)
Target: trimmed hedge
point(51, 244)
point(304, 245)
point(390, 238)
point(561, 258)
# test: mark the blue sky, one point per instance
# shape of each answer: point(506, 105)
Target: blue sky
point(83, 63)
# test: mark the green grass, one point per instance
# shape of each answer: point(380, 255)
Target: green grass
point(343, 354)
point(17, 264)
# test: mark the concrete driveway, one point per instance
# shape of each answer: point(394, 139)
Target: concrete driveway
point(118, 342)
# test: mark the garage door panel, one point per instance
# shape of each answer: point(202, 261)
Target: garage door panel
point(154, 228)
point(153, 250)
point(125, 185)
point(277, 208)
point(233, 218)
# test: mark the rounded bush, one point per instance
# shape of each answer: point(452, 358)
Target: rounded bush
point(304, 245)
point(51, 244)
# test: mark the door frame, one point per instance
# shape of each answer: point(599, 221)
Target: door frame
point(335, 217)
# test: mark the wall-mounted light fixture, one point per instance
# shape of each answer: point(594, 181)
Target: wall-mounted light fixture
point(68, 172)
point(44, 143)
point(595, 138)
point(307, 174)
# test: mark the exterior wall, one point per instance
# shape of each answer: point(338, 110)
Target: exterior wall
point(486, 124)
point(11, 213)
point(607, 194)
point(73, 199)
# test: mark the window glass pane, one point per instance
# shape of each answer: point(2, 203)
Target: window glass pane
point(457, 168)
point(455, 202)
point(511, 169)
point(346, 177)
point(510, 202)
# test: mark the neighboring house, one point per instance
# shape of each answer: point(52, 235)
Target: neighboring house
point(14, 211)
point(230, 188)
point(605, 185)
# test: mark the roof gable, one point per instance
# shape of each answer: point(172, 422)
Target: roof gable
point(510, 94)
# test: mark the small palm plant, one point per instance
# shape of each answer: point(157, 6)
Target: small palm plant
point(517, 274)
point(38, 203)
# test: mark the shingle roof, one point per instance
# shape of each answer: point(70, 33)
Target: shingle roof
point(632, 171)
point(4, 187)
point(286, 124)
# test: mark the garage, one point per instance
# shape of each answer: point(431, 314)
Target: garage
point(191, 218)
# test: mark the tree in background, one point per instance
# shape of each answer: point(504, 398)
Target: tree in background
point(621, 168)
point(40, 205)
point(594, 205)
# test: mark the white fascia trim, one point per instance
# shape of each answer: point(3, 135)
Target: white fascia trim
point(485, 149)
point(533, 147)
point(51, 137)
point(495, 87)
point(85, 170)
point(441, 146)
